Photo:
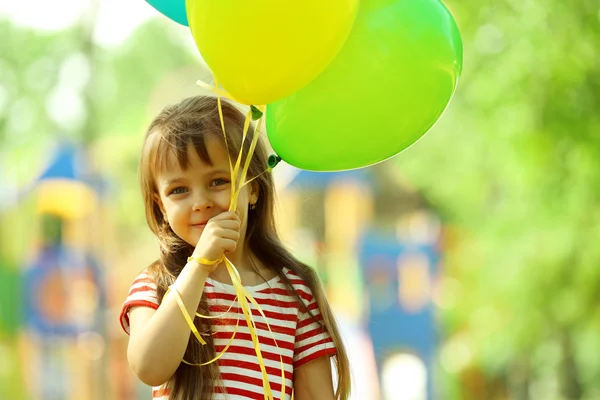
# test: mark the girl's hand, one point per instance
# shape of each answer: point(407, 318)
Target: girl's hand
point(220, 235)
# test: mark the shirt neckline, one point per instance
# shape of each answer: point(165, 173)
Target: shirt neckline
point(265, 285)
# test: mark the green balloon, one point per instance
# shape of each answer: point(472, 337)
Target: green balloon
point(387, 87)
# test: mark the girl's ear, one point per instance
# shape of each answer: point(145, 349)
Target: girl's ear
point(160, 203)
point(253, 192)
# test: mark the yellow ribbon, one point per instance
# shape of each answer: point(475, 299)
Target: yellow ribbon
point(242, 294)
point(190, 323)
point(186, 315)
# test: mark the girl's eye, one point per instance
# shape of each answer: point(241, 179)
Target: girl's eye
point(219, 182)
point(178, 190)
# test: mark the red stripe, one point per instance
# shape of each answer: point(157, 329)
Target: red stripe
point(262, 301)
point(160, 392)
point(269, 314)
point(133, 303)
point(313, 310)
point(275, 326)
point(220, 296)
point(292, 273)
point(248, 380)
point(253, 366)
point(138, 303)
point(143, 278)
point(314, 356)
point(296, 285)
point(278, 303)
point(251, 352)
point(308, 320)
point(283, 292)
point(142, 289)
point(282, 344)
point(315, 344)
point(247, 394)
point(309, 334)
point(260, 325)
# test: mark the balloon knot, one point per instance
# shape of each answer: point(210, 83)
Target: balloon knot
point(256, 113)
point(273, 160)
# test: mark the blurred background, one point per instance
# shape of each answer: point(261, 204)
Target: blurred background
point(467, 267)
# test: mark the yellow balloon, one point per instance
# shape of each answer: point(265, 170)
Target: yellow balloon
point(264, 50)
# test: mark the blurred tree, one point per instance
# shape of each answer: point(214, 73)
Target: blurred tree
point(514, 166)
point(61, 86)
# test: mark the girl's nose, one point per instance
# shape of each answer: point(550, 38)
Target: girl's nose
point(201, 202)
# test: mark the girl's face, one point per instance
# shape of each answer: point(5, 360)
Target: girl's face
point(189, 198)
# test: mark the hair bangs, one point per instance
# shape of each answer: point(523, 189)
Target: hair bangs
point(169, 151)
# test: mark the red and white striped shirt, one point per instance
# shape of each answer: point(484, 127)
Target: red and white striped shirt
point(299, 338)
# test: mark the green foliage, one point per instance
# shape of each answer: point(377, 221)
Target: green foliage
point(514, 166)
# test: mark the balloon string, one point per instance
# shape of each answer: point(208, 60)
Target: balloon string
point(222, 120)
point(241, 292)
point(215, 89)
point(190, 323)
point(238, 181)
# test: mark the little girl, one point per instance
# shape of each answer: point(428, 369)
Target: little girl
point(186, 185)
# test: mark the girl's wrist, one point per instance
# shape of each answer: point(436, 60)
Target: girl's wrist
point(199, 270)
point(204, 261)
point(201, 263)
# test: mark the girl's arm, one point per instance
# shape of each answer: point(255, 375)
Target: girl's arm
point(313, 381)
point(159, 337)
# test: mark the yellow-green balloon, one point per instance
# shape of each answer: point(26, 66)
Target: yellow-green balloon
point(386, 88)
point(264, 50)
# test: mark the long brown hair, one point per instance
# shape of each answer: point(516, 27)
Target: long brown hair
point(189, 122)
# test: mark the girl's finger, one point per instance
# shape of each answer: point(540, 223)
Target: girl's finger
point(228, 224)
point(229, 245)
point(227, 215)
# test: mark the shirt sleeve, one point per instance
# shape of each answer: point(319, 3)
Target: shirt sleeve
point(312, 340)
point(141, 294)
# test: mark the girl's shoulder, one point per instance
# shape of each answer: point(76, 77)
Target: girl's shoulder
point(299, 285)
point(142, 293)
point(145, 281)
